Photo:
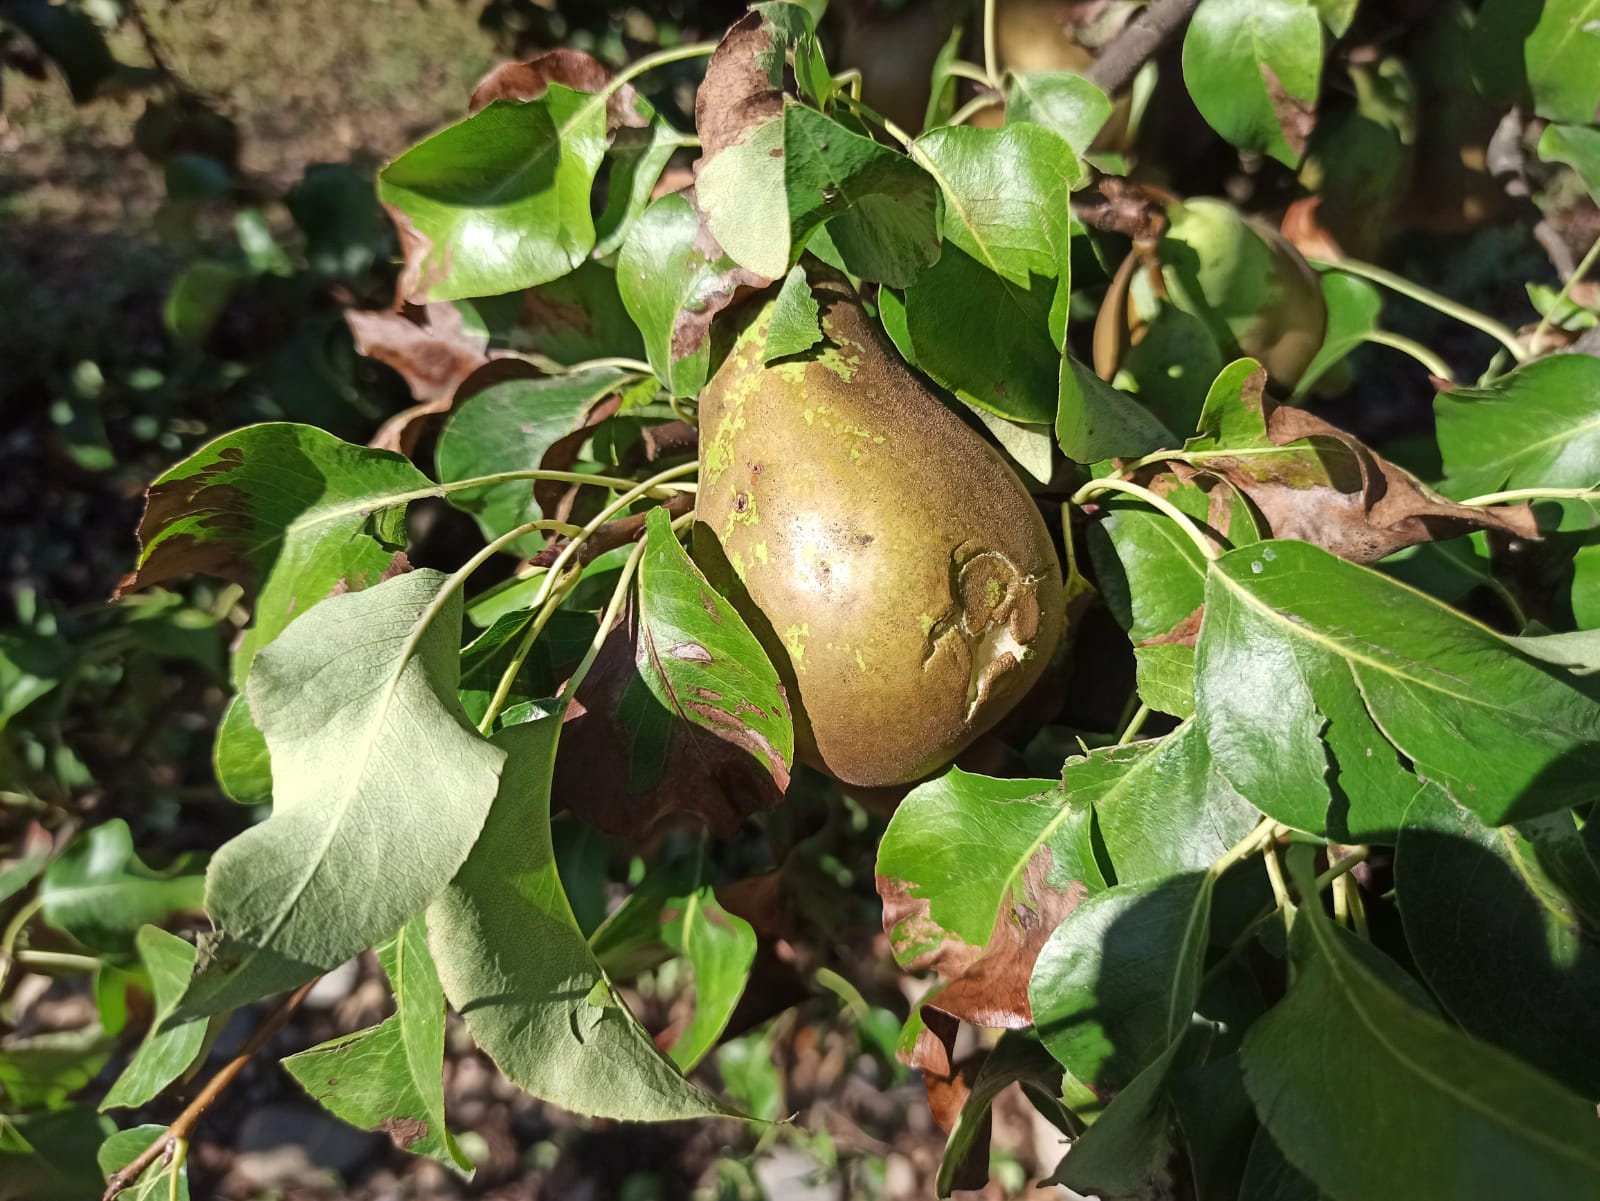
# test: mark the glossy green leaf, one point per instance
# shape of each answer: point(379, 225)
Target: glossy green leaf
point(390, 1077)
point(500, 201)
point(881, 208)
point(1353, 307)
point(243, 766)
point(975, 873)
point(1095, 421)
point(1549, 49)
point(1535, 427)
point(1124, 1155)
point(720, 947)
point(508, 426)
point(293, 510)
point(638, 156)
point(1528, 978)
point(381, 787)
point(1171, 367)
point(986, 320)
point(160, 1182)
point(796, 324)
point(517, 968)
point(700, 660)
point(1479, 1124)
point(1117, 983)
point(1298, 645)
point(1171, 811)
point(166, 1052)
point(1253, 68)
point(1016, 1059)
point(672, 287)
point(1152, 577)
point(99, 891)
point(1063, 102)
point(1576, 145)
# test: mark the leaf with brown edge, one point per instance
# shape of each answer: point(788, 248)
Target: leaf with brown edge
point(975, 873)
point(579, 71)
point(739, 176)
point(291, 512)
point(628, 764)
point(701, 661)
point(1313, 482)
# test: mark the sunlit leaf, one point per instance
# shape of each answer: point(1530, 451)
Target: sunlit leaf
point(166, 1052)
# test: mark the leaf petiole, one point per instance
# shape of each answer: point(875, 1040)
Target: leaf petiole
point(1516, 495)
point(1443, 304)
point(1112, 484)
point(659, 59)
point(1577, 276)
point(1435, 365)
point(976, 105)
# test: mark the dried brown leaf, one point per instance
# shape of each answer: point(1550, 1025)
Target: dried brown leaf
point(1296, 117)
point(1329, 488)
point(737, 95)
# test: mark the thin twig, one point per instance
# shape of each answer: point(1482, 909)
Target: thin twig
point(1135, 45)
point(183, 1125)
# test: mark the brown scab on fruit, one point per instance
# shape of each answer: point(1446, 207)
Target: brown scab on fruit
point(892, 565)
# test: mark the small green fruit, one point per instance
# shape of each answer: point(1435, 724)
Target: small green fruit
point(891, 563)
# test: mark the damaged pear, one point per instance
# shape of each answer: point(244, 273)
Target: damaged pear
point(892, 564)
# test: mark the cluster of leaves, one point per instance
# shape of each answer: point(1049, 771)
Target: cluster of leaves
point(1146, 921)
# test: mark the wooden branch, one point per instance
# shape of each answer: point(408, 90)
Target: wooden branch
point(613, 534)
point(183, 1125)
point(1135, 45)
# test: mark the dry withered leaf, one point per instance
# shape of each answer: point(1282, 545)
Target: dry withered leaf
point(1296, 117)
point(737, 95)
point(1329, 488)
point(434, 353)
point(573, 68)
point(627, 764)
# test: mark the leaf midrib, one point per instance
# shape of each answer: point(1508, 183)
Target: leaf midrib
point(1334, 959)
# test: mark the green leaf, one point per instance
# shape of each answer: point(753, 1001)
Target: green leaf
point(381, 787)
point(390, 1077)
point(42, 1071)
point(1095, 421)
point(244, 769)
point(720, 947)
point(1152, 577)
point(31, 666)
point(99, 891)
point(1268, 1176)
point(672, 286)
point(166, 1052)
point(1124, 1155)
point(1528, 979)
point(295, 511)
point(508, 426)
point(701, 661)
point(1353, 306)
point(516, 966)
point(975, 873)
point(160, 1182)
point(1171, 367)
point(881, 209)
point(49, 1156)
point(1117, 983)
point(1016, 1059)
point(1578, 147)
point(1479, 1124)
point(987, 319)
point(572, 319)
point(1032, 446)
point(1337, 14)
point(638, 156)
point(1065, 103)
point(1535, 427)
point(737, 190)
point(1548, 48)
point(1295, 639)
point(796, 325)
point(500, 201)
point(1253, 68)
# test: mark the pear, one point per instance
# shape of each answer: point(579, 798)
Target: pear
point(891, 563)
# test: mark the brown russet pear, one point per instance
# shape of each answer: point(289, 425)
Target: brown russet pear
point(891, 563)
